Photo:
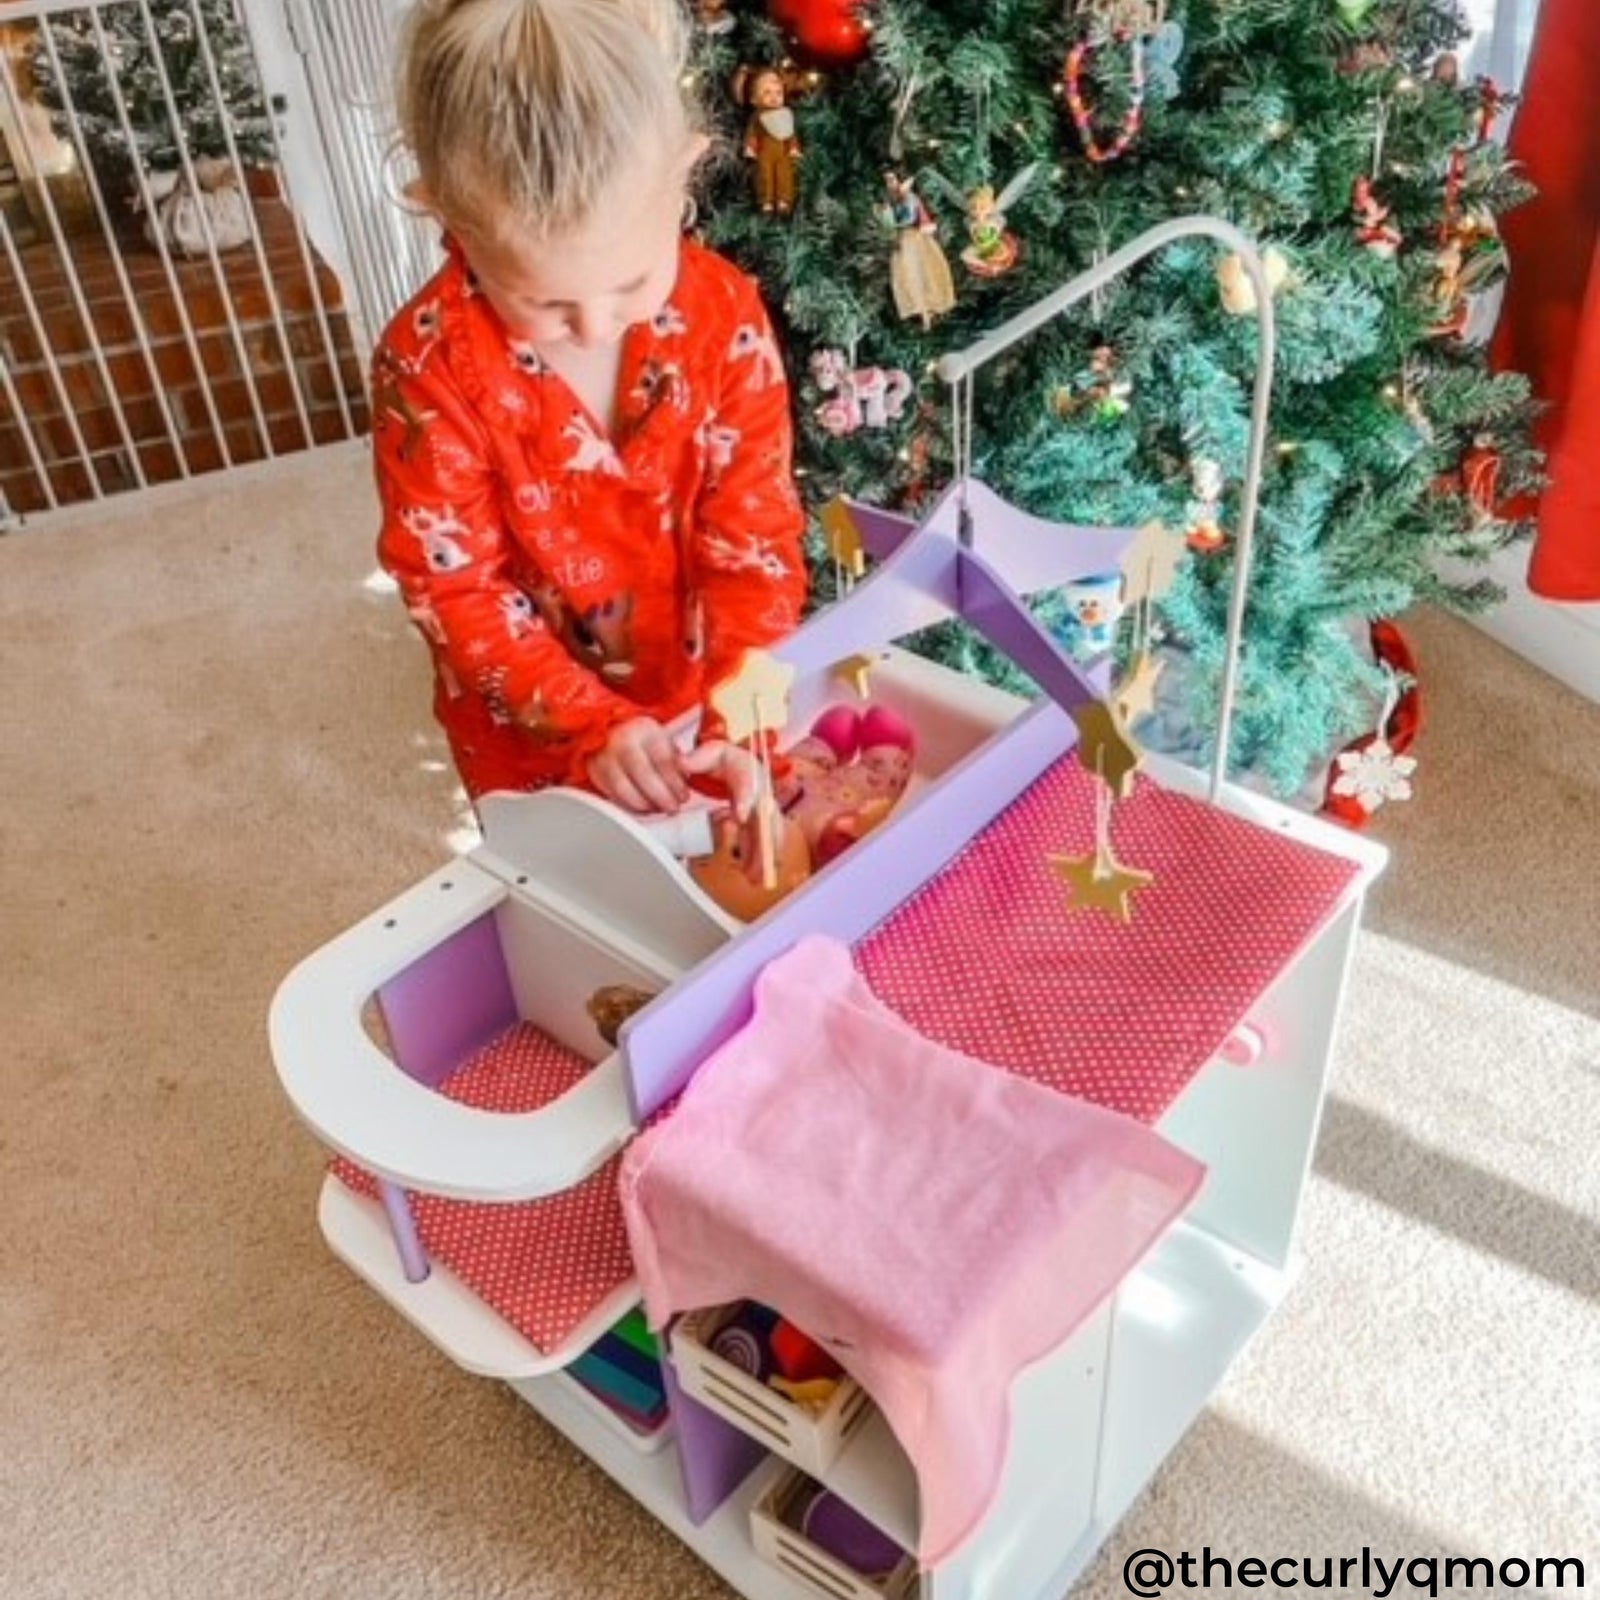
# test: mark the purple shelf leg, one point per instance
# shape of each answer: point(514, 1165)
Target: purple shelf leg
point(714, 1457)
point(992, 608)
point(407, 1242)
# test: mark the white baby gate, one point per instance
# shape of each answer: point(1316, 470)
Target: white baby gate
point(130, 355)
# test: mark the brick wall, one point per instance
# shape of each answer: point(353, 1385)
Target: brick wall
point(214, 362)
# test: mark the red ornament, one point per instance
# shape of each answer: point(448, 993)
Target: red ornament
point(824, 33)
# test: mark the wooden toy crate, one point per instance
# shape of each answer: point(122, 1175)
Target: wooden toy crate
point(811, 1440)
point(779, 1541)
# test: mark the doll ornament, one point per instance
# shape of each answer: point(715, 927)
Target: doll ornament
point(771, 140)
point(714, 18)
point(923, 287)
point(993, 249)
point(1374, 229)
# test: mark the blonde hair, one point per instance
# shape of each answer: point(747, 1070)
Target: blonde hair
point(520, 113)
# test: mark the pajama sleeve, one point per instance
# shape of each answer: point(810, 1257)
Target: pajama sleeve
point(749, 566)
point(445, 543)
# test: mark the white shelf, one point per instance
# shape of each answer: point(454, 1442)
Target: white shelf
point(876, 1477)
point(1181, 1320)
point(722, 1541)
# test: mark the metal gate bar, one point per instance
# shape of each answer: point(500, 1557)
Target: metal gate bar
point(108, 233)
point(215, 81)
point(14, 106)
point(347, 49)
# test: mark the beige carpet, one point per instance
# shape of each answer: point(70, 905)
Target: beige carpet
point(217, 755)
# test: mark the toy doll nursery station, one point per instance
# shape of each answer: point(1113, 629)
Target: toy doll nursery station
point(952, 1183)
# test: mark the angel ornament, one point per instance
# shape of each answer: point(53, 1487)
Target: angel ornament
point(993, 248)
point(923, 287)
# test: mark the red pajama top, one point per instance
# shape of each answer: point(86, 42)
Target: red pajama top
point(565, 579)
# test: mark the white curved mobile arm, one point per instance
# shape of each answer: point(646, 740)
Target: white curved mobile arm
point(963, 363)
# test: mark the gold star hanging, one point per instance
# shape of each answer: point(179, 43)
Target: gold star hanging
point(1100, 882)
point(856, 671)
point(1104, 746)
point(844, 539)
point(1135, 696)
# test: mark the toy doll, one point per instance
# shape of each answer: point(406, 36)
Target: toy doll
point(923, 286)
point(833, 787)
point(844, 777)
point(770, 139)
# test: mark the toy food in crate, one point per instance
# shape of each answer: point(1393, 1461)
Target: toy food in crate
point(825, 1544)
point(765, 1377)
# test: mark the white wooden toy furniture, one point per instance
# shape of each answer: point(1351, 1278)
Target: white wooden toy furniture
point(566, 895)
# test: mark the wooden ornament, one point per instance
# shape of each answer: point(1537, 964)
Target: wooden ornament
point(844, 538)
point(1100, 882)
point(1150, 565)
point(857, 672)
point(1238, 292)
point(1104, 746)
point(1135, 696)
point(755, 698)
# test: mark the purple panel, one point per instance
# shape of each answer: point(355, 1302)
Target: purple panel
point(450, 1003)
point(996, 612)
point(1027, 553)
point(913, 589)
point(665, 1044)
point(882, 532)
point(714, 1457)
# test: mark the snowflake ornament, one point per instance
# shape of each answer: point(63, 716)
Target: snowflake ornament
point(1374, 775)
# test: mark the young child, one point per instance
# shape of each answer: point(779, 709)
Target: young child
point(582, 429)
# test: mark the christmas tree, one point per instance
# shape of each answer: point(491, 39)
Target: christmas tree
point(197, 61)
point(1037, 139)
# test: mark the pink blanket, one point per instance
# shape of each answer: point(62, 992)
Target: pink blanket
point(938, 1224)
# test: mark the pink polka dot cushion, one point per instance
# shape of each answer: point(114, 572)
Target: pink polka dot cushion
point(987, 960)
point(543, 1265)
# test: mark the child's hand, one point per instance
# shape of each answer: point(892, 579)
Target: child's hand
point(640, 768)
point(736, 767)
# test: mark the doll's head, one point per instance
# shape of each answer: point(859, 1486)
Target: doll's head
point(732, 880)
point(767, 91)
point(981, 204)
point(551, 138)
